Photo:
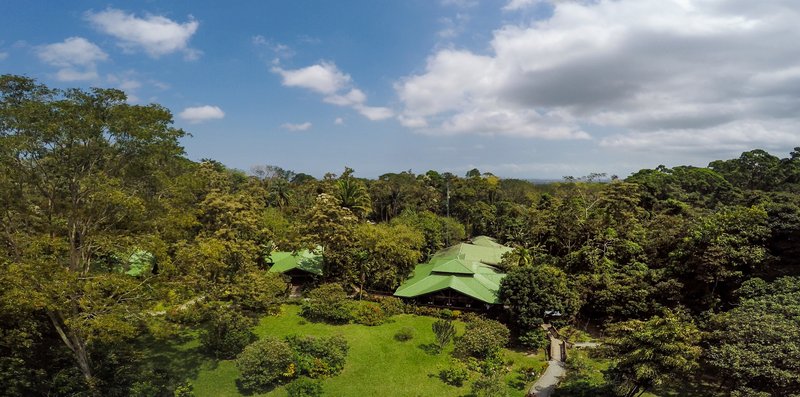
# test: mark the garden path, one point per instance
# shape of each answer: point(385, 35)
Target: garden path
point(556, 369)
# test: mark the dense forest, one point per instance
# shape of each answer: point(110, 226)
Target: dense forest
point(107, 232)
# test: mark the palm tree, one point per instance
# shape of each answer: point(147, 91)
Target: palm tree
point(353, 195)
point(280, 193)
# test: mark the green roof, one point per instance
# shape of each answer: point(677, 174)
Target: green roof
point(305, 260)
point(465, 268)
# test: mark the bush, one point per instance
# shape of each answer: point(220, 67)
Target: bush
point(265, 363)
point(489, 386)
point(444, 330)
point(404, 334)
point(469, 317)
point(483, 338)
point(304, 387)
point(368, 313)
point(319, 357)
point(328, 303)
point(391, 305)
point(535, 339)
point(493, 364)
point(426, 311)
point(227, 333)
point(184, 389)
point(455, 375)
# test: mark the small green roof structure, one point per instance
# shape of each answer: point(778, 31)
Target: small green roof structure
point(467, 268)
point(305, 260)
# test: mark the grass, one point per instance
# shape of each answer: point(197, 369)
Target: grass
point(377, 364)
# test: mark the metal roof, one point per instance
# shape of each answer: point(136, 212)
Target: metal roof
point(465, 267)
point(305, 260)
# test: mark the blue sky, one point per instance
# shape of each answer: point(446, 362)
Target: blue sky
point(520, 88)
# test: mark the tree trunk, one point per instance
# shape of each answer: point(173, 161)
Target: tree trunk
point(75, 344)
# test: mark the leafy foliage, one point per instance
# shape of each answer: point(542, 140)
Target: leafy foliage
point(649, 353)
point(482, 338)
point(304, 387)
point(455, 374)
point(227, 333)
point(444, 330)
point(754, 347)
point(319, 357)
point(265, 363)
point(532, 292)
point(328, 302)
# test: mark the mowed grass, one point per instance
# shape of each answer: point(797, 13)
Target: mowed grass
point(377, 364)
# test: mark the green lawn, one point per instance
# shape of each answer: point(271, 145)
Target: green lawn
point(377, 364)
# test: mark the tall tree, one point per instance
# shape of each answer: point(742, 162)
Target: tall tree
point(82, 167)
point(650, 353)
point(533, 292)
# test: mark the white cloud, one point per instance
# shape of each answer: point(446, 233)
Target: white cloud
point(126, 81)
point(374, 113)
point(519, 4)
point(324, 78)
point(280, 51)
point(3, 55)
point(296, 127)
point(199, 114)
point(336, 86)
point(154, 34)
point(352, 98)
point(338, 121)
point(75, 57)
point(649, 69)
point(453, 27)
point(736, 136)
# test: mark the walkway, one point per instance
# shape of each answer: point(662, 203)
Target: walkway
point(556, 369)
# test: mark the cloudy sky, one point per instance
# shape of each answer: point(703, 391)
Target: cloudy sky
point(520, 88)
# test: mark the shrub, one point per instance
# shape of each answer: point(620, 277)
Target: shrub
point(368, 313)
point(489, 386)
point(319, 357)
point(482, 339)
point(391, 305)
point(455, 375)
point(265, 363)
point(304, 387)
point(426, 311)
point(444, 330)
point(227, 333)
point(327, 303)
point(184, 389)
point(534, 339)
point(404, 334)
point(493, 364)
point(469, 317)
point(446, 314)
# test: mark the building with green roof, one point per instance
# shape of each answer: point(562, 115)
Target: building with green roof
point(299, 265)
point(464, 275)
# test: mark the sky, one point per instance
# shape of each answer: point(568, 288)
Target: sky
point(518, 88)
